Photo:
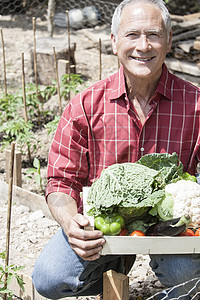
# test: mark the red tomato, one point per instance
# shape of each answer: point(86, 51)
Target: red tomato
point(123, 232)
point(137, 233)
point(197, 232)
point(188, 232)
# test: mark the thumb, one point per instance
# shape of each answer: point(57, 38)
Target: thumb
point(81, 220)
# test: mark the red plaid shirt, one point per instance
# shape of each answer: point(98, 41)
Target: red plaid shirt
point(100, 127)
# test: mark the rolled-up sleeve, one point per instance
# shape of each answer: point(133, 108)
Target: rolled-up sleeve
point(68, 163)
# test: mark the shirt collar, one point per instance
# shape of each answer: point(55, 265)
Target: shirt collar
point(119, 85)
point(164, 86)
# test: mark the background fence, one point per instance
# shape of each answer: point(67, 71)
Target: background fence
point(39, 8)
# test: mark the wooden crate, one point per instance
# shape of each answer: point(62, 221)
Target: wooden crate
point(145, 245)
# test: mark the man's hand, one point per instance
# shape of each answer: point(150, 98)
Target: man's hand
point(87, 244)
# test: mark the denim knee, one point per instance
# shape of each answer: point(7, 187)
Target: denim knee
point(54, 284)
point(41, 281)
point(57, 270)
point(172, 270)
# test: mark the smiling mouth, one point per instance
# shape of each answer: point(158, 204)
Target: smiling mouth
point(143, 59)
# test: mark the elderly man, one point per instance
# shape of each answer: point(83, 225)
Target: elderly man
point(141, 109)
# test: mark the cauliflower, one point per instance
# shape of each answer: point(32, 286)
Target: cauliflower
point(181, 199)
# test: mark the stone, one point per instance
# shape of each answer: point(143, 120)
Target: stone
point(45, 57)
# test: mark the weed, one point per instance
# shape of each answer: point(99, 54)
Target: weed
point(70, 83)
point(7, 274)
point(36, 172)
point(21, 132)
point(52, 125)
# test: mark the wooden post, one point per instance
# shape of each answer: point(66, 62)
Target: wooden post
point(17, 174)
point(115, 286)
point(62, 67)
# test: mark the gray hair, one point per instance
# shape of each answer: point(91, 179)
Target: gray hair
point(118, 11)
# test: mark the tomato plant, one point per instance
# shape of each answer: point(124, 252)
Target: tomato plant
point(137, 233)
point(188, 232)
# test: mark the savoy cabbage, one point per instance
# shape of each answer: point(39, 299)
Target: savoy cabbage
point(133, 189)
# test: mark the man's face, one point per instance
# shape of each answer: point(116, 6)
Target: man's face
point(142, 42)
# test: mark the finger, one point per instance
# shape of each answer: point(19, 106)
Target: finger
point(80, 233)
point(90, 235)
point(91, 254)
point(86, 244)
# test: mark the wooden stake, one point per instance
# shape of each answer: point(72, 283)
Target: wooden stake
point(10, 187)
point(115, 286)
point(35, 66)
point(35, 56)
point(4, 62)
point(24, 100)
point(24, 90)
point(51, 12)
point(100, 60)
point(69, 50)
point(57, 79)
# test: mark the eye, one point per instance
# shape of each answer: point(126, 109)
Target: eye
point(154, 34)
point(132, 35)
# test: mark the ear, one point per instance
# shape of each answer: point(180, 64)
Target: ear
point(170, 41)
point(114, 42)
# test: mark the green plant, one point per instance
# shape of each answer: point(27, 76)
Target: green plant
point(35, 99)
point(9, 104)
point(70, 83)
point(7, 274)
point(36, 172)
point(21, 132)
point(52, 125)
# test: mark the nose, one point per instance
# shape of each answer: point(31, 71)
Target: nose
point(143, 43)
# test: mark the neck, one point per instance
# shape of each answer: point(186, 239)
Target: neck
point(142, 91)
point(141, 88)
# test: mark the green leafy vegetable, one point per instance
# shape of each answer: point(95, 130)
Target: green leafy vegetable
point(168, 165)
point(134, 189)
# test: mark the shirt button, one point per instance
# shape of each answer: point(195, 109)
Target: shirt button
point(141, 149)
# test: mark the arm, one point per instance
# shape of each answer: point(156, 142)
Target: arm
point(86, 244)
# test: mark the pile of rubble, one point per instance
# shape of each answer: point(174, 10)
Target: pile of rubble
point(184, 56)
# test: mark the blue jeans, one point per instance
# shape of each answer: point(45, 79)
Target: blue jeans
point(173, 270)
point(59, 272)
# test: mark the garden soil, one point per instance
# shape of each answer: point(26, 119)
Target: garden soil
point(30, 231)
